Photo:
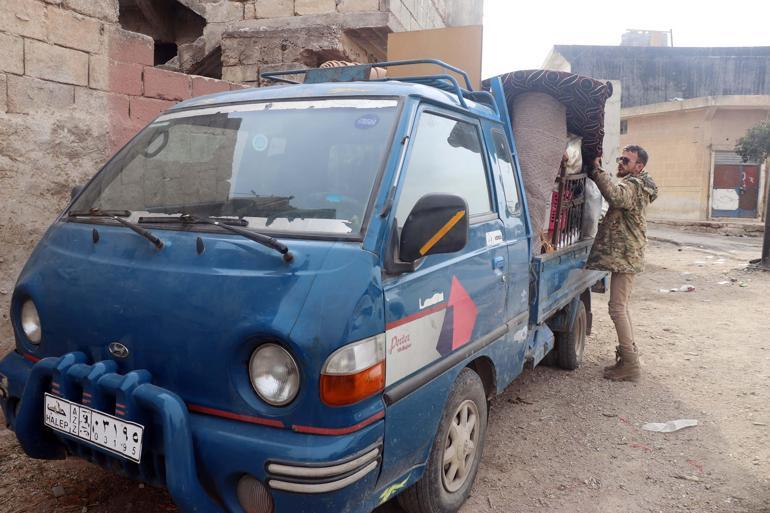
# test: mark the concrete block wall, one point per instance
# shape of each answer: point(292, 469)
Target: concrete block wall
point(74, 87)
point(659, 74)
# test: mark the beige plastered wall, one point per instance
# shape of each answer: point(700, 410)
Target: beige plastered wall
point(681, 144)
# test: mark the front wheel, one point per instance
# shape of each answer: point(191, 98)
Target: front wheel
point(456, 453)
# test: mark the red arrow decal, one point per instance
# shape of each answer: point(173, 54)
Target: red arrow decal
point(465, 312)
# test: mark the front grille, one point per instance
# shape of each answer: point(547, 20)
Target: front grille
point(99, 387)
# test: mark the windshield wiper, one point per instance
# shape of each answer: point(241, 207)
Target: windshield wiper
point(96, 212)
point(260, 238)
point(116, 215)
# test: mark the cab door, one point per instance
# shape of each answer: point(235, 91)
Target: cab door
point(449, 300)
point(517, 244)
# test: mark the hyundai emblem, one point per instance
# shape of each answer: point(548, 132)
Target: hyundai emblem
point(118, 350)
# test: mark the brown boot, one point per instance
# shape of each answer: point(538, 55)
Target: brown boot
point(626, 369)
point(612, 368)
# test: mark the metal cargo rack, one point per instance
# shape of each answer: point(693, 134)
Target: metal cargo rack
point(567, 217)
point(362, 72)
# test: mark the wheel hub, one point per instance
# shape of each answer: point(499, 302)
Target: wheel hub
point(460, 446)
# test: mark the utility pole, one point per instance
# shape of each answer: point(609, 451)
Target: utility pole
point(766, 242)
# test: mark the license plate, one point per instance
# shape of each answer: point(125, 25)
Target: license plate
point(111, 433)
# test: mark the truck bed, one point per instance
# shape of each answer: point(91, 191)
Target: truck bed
point(559, 277)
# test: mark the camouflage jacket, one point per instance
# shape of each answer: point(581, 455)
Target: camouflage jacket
point(622, 237)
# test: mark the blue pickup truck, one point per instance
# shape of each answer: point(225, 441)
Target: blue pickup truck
point(294, 299)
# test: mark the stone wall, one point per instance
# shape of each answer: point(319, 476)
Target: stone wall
point(74, 87)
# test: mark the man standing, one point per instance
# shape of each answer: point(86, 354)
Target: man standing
point(619, 248)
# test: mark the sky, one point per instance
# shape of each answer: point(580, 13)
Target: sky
point(519, 34)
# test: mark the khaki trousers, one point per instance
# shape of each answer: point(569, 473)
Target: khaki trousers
point(620, 294)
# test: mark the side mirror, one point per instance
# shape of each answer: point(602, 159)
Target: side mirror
point(438, 223)
point(75, 191)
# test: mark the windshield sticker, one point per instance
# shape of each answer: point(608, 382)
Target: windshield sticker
point(259, 142)
point(277, 146)
point(367, 121)
point(494, 238)
point(435, 299)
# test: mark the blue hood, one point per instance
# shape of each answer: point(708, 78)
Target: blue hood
point(191, 319)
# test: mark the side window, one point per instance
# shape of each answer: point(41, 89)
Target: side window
point(446, 159)
point(507, 177)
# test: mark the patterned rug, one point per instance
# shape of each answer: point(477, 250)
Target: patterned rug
point(584, 98)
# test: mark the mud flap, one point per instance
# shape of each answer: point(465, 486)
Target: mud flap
point(539, 344)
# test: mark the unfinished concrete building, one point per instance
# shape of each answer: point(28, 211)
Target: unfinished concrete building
point(234, 40)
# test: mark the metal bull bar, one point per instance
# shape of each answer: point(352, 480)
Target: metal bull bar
point(133, 390)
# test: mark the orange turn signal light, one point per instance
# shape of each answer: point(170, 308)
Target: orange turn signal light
point(345, 389)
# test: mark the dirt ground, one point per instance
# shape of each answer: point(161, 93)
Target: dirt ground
point(571, 442)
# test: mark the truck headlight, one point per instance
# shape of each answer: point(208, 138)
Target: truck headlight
point(274, 374)
point(30, 322)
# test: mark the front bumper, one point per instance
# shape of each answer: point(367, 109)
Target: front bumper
point(199, 458)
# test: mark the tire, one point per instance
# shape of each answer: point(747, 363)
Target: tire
point(440, 490)
point(550, 360)
point(570, 346)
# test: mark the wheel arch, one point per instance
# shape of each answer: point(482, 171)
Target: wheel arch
point(485, 368)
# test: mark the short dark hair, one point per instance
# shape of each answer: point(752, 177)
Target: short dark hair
point(641, 153)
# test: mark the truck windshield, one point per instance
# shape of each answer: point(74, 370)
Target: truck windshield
point(284, 166)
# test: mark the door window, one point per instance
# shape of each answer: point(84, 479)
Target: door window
point(446, 159)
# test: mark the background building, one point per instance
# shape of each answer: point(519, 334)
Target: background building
point(687, 107)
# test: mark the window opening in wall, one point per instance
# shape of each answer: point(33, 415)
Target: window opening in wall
point(168, 22)
point(623, 126)
point(164, 52)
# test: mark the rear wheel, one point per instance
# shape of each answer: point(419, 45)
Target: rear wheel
point(456, 453)
point(571, 345)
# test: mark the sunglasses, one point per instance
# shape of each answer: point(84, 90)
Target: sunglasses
point(624, 160)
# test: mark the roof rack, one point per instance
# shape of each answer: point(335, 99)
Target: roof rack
point(361, 72)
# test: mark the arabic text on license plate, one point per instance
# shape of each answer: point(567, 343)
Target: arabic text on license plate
point(111, 433)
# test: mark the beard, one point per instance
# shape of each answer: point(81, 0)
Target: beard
point(622, 172)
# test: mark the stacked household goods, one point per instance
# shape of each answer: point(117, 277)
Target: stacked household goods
point(548, 108)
